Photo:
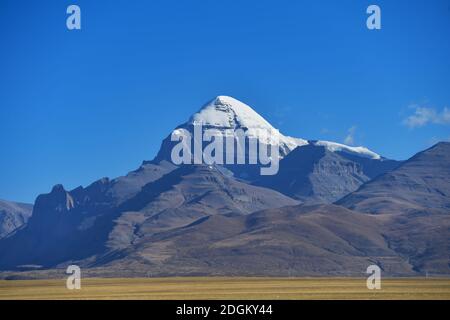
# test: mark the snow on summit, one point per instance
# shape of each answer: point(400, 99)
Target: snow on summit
point(334, 146)
point(225, 112)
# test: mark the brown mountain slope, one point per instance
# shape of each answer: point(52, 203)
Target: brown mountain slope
point(296, 240)
point(419, 184)
point(408, 235)
point(68, 226)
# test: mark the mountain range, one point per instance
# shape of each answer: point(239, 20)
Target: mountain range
point(331, 209)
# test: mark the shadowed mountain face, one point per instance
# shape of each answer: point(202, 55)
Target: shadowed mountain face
point(189, 193)
point(419, 185)
point(313, 174)
point(59, 218)
point(67, 226)
point(12, 216)
point(372, 168)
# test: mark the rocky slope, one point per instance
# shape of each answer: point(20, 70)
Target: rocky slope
point(87, 225)
point(422, 183)
point(314, 174)
point(12, 216)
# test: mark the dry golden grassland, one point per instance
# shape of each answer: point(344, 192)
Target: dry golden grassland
point(227, 288)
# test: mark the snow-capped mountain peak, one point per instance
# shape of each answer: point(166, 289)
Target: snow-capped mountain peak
point(229, 113)
point(225, 113)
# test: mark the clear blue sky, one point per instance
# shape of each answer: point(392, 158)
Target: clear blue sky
point(79, 105)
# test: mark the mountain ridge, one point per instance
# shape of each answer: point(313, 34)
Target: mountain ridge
point(352, 207)
point(224, 112)
point(424, 177)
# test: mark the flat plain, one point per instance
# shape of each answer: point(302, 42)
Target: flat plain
point(233, 288)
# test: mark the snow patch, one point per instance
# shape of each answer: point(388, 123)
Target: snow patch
point(361, 151)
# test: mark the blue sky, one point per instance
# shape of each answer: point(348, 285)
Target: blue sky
point(79, 105)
